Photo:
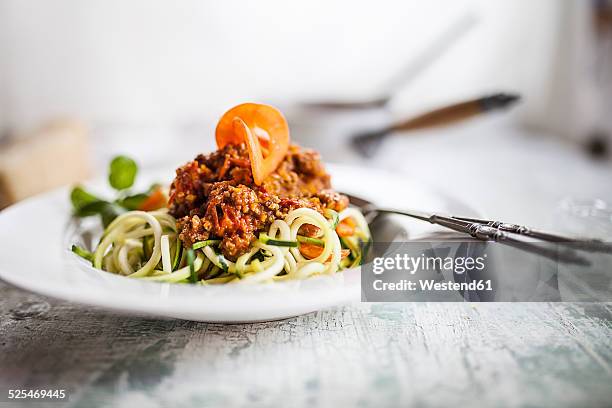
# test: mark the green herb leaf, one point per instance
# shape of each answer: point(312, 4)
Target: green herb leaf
point(133, 202)
point(83, 253)
point(107, 211)
point(80, 198)
point(93, 208)
point(122, 172)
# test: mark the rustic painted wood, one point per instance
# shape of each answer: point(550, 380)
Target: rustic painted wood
point(364, 355)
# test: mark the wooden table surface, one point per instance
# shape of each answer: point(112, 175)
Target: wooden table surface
point(364, 355)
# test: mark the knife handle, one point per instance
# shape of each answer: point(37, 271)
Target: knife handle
point(456, 112)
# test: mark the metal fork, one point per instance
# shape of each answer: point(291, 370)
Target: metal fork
point(510, 234)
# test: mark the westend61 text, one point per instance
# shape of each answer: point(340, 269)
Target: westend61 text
point(430, 284)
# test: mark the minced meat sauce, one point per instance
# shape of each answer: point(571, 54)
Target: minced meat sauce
point(214, 196)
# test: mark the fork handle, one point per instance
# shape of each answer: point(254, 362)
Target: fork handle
point(590, 245)
point(485, 232)
point(567, 255)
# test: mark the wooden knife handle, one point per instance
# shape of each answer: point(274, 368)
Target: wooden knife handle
point(456, 112)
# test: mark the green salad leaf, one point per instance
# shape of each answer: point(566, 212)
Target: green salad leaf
point(122, 172)
point(133, 202)
point(81, 198)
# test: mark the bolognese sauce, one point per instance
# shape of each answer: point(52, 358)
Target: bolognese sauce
point(215, 196)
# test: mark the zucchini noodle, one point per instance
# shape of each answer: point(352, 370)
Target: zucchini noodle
point(146, 245)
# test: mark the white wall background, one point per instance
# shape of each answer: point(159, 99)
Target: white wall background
point(157, 61)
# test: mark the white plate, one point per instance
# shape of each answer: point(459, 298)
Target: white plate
point(35, 256)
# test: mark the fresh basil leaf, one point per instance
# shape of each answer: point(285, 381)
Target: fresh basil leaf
point(133, 202)
point(93, 208)
point(80, 198)
point(107, 211)
point(122, 172)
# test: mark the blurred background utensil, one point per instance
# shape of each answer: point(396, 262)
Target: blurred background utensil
point(367, 143)
point(328, 123)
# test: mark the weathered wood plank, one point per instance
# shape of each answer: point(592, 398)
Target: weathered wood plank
point(425, 354)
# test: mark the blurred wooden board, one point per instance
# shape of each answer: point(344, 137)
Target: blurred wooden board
point(367, 355)
point(53, 155)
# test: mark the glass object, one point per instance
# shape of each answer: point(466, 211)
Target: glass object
point(586, 218)
point(591, 217)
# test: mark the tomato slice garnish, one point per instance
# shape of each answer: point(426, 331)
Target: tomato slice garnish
point(311, 251)
point(155, 201)
point(264, 130)
point(346, 227)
